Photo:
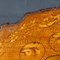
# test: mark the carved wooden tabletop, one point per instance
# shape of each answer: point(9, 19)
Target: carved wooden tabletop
point(36, 37)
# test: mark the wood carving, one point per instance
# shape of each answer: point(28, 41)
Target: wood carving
point(36, 37)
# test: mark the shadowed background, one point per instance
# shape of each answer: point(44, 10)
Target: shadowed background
point(13, 10)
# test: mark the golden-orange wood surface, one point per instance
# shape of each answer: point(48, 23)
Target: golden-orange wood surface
point(36, 37)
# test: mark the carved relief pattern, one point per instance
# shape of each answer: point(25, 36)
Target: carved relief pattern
point(32, 49)
point(39, 38)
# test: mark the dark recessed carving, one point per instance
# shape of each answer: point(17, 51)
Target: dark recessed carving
point(54, 57)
